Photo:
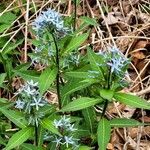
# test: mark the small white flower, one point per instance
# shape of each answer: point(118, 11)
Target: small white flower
point(63, 122)
point(117, 64)
point(49, 19)
point(71, 128)
point(58, 123)
point(29, 91)
point(37, 103)
point(69, 140)
point(19, 104)
point(47, 136)
point(58, 140)
point(32, 83)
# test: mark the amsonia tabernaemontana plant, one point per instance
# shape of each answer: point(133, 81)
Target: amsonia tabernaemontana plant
point(83, 84)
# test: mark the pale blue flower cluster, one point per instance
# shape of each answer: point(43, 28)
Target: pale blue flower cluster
point(115, 60)
point(71, 59)
point(67, 129)
point(29, 100)
point(65, 124)
point(118, 61)
point(49, 20)
point(48, 23)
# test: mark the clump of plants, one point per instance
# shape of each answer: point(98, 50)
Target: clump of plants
point(82, 83)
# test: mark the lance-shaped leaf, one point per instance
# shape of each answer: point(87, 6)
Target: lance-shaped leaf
point(27, 74)
point(90, 118)
point(106, 94)
point(94, 61)
point(16, 117)
point(46, 79)
point(85, 148)
point(76, 85)
point(89, 21)
point(2, 78)
point(81, 103)
point(49, 125)
point(103, 132)
point(132, 100)
point(26, 146)
point(124, 122)
point(19, 137)
point(76, 42)
point(2, 141)
point(77, 74)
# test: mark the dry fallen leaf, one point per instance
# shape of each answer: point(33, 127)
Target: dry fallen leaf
point(138, 55)
point(110, 19)
point(128, 112)
point(134, 131)
point(112, 2)
point(141, 44)
point(146, 119)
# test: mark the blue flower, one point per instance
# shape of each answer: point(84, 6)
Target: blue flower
point(58, 140)
point(70, 140)
point(117, 61)
point(49, 20)
point(63, 122)
point(117, 64)
point(38, 102)
point(19, 104)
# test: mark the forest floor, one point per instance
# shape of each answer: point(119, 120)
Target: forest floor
point(125, 23)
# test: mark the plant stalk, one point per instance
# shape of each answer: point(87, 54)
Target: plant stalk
point(58, 73)
point(108, 87)
point(36, 135)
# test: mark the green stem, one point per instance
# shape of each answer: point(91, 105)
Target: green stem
point(108, 87)
point(104, 108)
point(36, 135)
point(58, 73)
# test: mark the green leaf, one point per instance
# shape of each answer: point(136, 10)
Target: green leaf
point(76, 42)
point(47, 109)
point(23, 66)
point(16, 117)
point(76, 85)
point(49, 125)
point(89, 21)
point(94, 60)
point(19, 137)
point(4, 100)
point(2, 78)
point(46, 79)
point(3, 27)
point(2, 141)
point(7, 18)
point(80, 103)
point(106, 94)
point(90, 118)
point(104, 133)
point(132, 100)
point(27, 74)
point(5, 105)
point(76, 74)
point(85, 148)
point(124, 122)
point(11, 46)
point(26, 146)
point(41, 132)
